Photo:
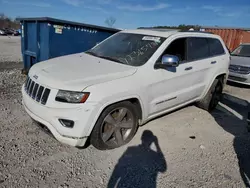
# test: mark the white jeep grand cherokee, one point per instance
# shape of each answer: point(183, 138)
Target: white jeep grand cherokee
point(105, 93)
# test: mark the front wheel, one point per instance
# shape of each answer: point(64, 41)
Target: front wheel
point(115, 127)
point(213, 96)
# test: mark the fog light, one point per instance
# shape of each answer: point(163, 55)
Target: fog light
point(67, 123)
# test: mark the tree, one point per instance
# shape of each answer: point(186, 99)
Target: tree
point(110, 21)
point(8, 22)
point(180, 27)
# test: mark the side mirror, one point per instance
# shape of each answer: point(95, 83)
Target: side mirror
point(168, 61)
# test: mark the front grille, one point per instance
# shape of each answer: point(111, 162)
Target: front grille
point(36, 92)
point(239, 69)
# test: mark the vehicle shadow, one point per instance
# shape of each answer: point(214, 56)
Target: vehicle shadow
point(231, 114)
point(139, 165)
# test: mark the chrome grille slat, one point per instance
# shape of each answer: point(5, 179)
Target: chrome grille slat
point(36, 91)
point(39, 93)
point(26, 82)
point(31, 87)
point(45, 96)
point(28, 85)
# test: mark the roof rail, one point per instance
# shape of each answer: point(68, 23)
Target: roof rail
point(159, 29)
point(188, 31)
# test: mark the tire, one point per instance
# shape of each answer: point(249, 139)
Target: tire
point(248, 122)
point(213, 96)
point(111, 130)
point(248, 129)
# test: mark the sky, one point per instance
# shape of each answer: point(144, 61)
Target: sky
point(131, 14)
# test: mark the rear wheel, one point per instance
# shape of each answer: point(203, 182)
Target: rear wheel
point(248, 129)
point(248, 122)
point(115, 127)
point(213, 96)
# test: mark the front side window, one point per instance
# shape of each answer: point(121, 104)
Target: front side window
point(128, 48)
point(242, 50)
point(197, 48)
point(216, 47)
point(177, 48)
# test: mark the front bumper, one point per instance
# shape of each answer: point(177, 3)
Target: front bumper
point(239, 78)
point(83, 116)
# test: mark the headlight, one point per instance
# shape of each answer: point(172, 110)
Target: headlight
point(71, 96)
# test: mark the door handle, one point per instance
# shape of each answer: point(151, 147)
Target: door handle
point(213, 62)
point(188, 68)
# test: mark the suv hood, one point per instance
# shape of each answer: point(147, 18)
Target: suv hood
point(238, 60)
point(78, 71)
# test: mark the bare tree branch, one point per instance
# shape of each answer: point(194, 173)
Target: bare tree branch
point(110, 21)
point(8, 22)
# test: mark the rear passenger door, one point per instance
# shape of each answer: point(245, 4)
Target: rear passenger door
point(219, 59)
point(196, 68)
point(205, 58)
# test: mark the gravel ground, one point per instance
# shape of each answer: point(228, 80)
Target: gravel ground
point(10, 48)
point(190, 148)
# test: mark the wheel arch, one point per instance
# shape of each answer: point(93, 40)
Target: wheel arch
point(222, 76)
point(136, 100)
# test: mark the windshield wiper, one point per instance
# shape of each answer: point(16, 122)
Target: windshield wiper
point(91, 53)
point(104, 57)
point(111, 58)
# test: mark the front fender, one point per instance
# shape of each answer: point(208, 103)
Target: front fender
point(109, 102)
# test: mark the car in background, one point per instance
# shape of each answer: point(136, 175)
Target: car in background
point(7, 31)
point(2, 32)
point(12, 32)
point(239, 69)
point(19, 31)
point(15, 33)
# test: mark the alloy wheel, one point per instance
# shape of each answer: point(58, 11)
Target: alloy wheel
point(117, 126)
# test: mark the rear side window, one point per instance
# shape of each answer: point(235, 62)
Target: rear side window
point(215, 46)
point(197, 48)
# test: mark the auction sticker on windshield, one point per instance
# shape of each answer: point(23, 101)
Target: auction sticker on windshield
point(155, 39)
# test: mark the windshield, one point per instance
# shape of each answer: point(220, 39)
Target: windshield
point(242, 50)
point(128, 48)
